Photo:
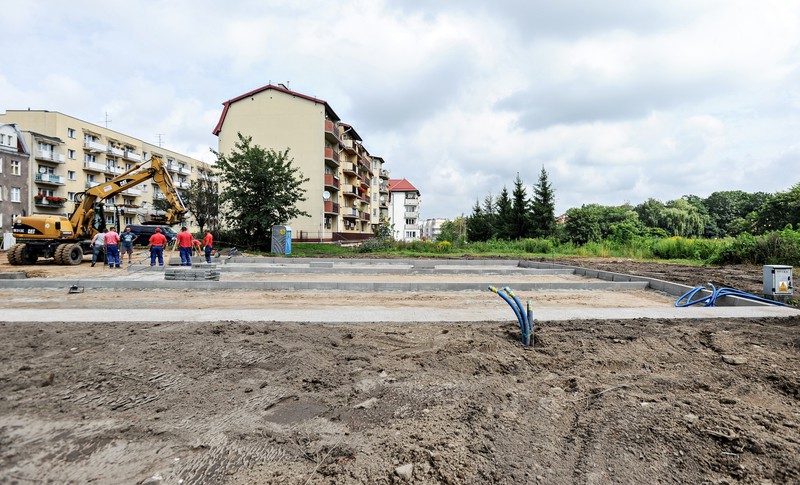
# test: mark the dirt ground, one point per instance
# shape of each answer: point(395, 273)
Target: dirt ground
point(620, 401)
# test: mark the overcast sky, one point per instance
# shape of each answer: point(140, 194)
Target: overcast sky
point(619, 101)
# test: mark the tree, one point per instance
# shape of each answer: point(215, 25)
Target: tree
point(519, 224)
point(502, 225)
point(680, 218)
point(543, 207)
point(650, 212)
point(260, 188)
point(453, 231)
point(202, 200)
point(596, 222)
point(477, 227)
point(780, 210)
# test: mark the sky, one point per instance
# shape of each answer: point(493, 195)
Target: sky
point(619, 101)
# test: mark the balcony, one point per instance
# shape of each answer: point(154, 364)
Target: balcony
point(94, 146)
point(365, 216)
point(411, 215)
point(348, 168)
point(331, 207)
point(411, 201)
point(49, 179)
point(116, 152)
point(132, 192)
point(114, 170)
point(384, 174)
point(184, 171)
point(349, 213)
point(49, 201)
point(384, 188)
point(331, 181)
point(366, 182)
point(49, 156)
point(159, 196)
point(350, 190)
point(94, 167)
point(131, 155)
point(331, 157)
point(89, 185)
point(172, 167)
point(331, 133)
point(349, 145)
point(183, 185)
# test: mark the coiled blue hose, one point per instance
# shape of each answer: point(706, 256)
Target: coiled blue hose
point(711, 300)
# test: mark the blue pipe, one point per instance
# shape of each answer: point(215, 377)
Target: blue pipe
point(511, 304)
point(711, 299)
point(525, 324)
point(530, 324)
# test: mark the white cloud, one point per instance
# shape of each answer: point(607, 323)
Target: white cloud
point(619, 101)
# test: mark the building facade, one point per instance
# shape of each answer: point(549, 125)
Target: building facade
point(68, 155)
point(431, 228)
point(14, 176)
point(347, 191)
point(404, 202)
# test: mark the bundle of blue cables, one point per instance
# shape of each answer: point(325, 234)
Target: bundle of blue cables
point(711, 300)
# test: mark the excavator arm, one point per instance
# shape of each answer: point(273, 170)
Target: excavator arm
point(83, 216)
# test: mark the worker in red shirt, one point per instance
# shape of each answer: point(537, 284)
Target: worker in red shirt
point(208, 243)
point(156, 246)
point(185, 246)
point(112, 248)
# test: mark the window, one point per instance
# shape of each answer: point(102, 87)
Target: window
point(70, 133)
point(15, 168)
point(1, 164)
point(15, 191)
point(409, 208)
point(1, 220)
point(411, 222)
point(71, 175)
point(88, 157)
point(70, 195)
point(90, 178)
point(71, 154)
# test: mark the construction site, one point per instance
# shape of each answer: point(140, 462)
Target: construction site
point(290, 370)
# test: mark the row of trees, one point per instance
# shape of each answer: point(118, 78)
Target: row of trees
point(514, 216)
point(721, 214)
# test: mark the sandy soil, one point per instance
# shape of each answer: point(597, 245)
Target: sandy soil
point(642, 401)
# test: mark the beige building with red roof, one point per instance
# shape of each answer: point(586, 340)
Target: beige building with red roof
point(404, 201)
point(347, 190)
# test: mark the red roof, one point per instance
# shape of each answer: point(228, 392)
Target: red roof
point(328, 110)
point(401, 185)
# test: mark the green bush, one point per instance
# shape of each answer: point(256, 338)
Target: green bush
point(684, 248)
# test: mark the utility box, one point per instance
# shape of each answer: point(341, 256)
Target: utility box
point(777, 281)
point(281, 239)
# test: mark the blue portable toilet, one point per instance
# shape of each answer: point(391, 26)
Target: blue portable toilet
point(281, 239)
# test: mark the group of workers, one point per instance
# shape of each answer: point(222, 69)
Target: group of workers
point(116, 246)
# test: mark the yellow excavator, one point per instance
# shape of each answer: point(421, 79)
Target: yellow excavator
point(66, 240)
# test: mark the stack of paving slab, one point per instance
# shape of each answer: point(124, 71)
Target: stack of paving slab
point(205, 272)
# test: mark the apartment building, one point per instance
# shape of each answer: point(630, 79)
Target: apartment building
point(431, 228)
point(14, 176)
point(347, 192)
point(68, 156)
point(404, 202)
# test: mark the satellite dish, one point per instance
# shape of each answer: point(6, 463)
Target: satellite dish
point(42, 169)
point(326, 195)
point(355, 203)
point(383, 198)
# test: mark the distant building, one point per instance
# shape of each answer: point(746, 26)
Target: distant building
point(404, 202)
point(430, 228)
point(14, 176)
point(346, 194)
point(68, 156)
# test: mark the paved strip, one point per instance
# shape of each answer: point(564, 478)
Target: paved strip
point(321, 285)
point(495, 314)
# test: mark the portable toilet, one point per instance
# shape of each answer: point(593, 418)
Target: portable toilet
point(281, 240)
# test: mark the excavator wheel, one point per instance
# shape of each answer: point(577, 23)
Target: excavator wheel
point(58, 257)
point(72, 254)
point(20, 254)
point(12, 255)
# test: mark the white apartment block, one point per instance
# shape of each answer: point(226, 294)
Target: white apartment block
point(347, 193)
point(68, 155)
point(404, 202)
point(430, 228)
